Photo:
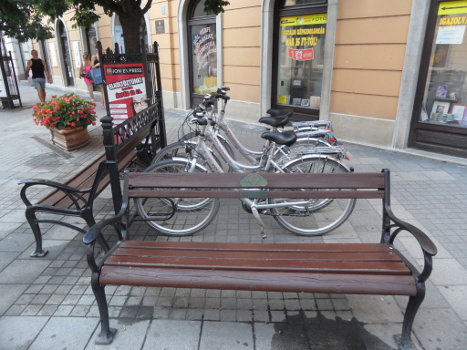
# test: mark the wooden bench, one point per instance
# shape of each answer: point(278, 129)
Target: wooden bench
point(353, 268)
point(139, 136)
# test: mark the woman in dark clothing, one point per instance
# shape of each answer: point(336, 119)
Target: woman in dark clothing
point(39, 72)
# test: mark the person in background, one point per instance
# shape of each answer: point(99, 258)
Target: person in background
point(85, 68)
point(39, 72)
point(95, 62)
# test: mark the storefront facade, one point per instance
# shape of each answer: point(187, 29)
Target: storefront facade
point(439, 121)
point(366, 65)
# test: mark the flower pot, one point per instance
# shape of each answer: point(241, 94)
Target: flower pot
point(70, 138)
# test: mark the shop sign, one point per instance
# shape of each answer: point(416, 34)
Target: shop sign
point(452, 7)
point(126, 90)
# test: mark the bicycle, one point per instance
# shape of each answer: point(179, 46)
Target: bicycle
point(313, 136)
point(309, 217)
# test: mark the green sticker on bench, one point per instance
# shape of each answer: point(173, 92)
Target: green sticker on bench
point(254, 180)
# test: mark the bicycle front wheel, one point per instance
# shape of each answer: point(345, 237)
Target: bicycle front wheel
point(190, 215)
point(319, 215)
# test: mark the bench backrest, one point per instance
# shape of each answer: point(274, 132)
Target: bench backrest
point(257, 185)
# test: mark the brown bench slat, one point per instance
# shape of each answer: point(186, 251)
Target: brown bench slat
point(255, 255)
point(261, 281)
point(353, 267)
point(84, 180)
point(261, 247)
point(216, 193)
point(274, 180)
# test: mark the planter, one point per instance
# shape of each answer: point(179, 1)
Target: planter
point(70, 138)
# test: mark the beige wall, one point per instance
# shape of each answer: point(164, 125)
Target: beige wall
point(241, 50)
point(369, 56)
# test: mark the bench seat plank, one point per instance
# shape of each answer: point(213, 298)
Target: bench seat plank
point(261, 281)
point(245, 266)
point(84, 180)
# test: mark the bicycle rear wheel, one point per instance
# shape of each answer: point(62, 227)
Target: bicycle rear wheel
point(320, 215)
point(190, 215)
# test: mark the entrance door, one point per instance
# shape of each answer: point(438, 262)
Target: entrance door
point(203, 52)
point(300, 32)
point(66, 59)
point(439, 120)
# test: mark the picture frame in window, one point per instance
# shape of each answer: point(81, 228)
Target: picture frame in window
point(440, 107)
point(296, 101)
point(459, 111)
point(305, 102)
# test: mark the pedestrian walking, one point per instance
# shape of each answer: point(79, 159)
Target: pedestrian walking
point(39, 72)
point(86, 66)
point(95, 62)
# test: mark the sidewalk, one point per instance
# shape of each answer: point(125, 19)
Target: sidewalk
point(47, 303)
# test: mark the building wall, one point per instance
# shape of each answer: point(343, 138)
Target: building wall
point(370, 62)
point(371, 40)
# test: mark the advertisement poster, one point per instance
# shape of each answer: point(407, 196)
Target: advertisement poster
point(301, 34)
point(126, 90)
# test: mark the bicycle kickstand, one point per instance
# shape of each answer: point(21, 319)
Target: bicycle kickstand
point(255, 213)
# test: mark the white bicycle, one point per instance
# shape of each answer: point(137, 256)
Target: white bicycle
point(309, 216)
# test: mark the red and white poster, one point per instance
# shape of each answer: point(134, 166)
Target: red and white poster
point(126, 90)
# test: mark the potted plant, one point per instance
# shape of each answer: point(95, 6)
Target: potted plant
point(67, 117)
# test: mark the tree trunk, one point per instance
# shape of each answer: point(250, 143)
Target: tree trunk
point(131, 27)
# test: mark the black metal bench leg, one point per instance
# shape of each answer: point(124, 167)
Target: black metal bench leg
point(412, 307)
point(36, 230)
point(107, 334)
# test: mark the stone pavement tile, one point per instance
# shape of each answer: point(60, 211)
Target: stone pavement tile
point(448, 272)
point(6, 258)
point(226, 335)
point(23, 271)
point(440, 328)
point(17, 333)
point(375, 309)
point(10, 293)
point(129, 336)
point(71, 333)
point(172, 335)
point(457, 297)
point(276, 336)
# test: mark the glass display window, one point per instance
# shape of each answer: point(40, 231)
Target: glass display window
point(445, 96)
point(301, 45)
point(204, 58)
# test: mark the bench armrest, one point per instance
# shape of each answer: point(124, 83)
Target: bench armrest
point(96, 230)
point(426, 244)
point(73, 193)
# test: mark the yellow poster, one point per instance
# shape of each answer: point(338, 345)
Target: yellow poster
point(282, 99)
point(320, 18)
point(452, 7)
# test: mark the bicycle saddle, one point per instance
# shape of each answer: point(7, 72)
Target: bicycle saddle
point(277, 122)
point(279, 112)
point(287, 138)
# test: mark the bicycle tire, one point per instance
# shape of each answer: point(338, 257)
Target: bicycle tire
point(323, 215)
point(191, 214)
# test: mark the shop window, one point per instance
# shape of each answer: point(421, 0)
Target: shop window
point(202, 30)
point(300, 38)
point(445, 96)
